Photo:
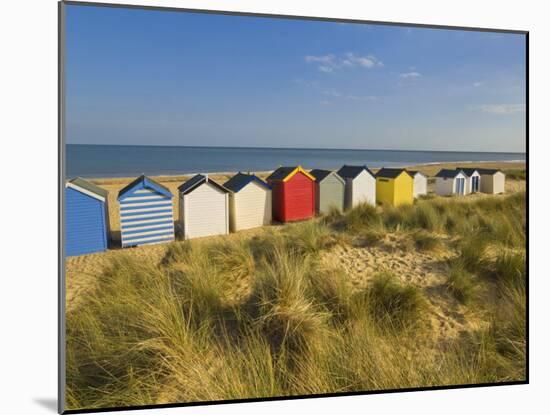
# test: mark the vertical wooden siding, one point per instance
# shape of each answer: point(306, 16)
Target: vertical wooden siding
point(205, 212)
point(250, 207)
point(330, 193)
point(364, 189)
point(420, 185)
point(298, 198)
point(85, 224)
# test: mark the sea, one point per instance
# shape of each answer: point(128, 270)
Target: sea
point(102, 161)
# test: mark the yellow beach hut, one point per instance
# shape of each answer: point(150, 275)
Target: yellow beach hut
point(394, 187)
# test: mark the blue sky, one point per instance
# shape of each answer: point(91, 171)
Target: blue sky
point(170, 78)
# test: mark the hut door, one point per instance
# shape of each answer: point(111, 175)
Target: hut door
point(460, 186)
point(475, 183)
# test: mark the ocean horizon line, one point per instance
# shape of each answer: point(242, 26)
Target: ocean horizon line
point(295, 148)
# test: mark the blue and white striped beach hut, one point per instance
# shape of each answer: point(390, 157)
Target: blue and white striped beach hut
point(86, 218)
point(146, 213)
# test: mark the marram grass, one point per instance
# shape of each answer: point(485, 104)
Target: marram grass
point(186, 330)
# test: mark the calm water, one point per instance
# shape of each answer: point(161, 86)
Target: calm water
point(127, 161)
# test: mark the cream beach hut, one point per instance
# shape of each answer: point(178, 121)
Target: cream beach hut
point(360, 185)
point(473, 181)
point(492, 181)
point(450, 182)
point(249, 202)
point(203, 208)
point(420, 183)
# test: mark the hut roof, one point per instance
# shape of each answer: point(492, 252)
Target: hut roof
point(468, 170)
point(286, 173)
point(147, 182)
point(391, 173)
point(415, 172)
point(240, 180)
point(321, 175)
point(196, 181)
point(90, 187)
point(448, 173)
point(489, 171)
point(351, 172)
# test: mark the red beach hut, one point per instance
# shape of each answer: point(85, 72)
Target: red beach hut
point(293, 194)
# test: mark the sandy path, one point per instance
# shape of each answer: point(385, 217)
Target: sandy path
point(448, 318)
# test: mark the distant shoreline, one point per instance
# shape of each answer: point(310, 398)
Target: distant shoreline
point(416, 166)
point(91, 161)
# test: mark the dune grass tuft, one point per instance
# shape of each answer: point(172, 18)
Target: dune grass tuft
point(426, 241)
point(461, 283)
point(282, 307)
point(393, 303)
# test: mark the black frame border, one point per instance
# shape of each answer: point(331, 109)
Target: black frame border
point(61, 201)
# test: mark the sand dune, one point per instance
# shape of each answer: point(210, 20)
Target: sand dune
point(426, 270)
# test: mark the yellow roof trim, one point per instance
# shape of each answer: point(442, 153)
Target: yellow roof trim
point(297, 170)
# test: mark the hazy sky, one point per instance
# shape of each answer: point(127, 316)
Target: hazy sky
point(169, 78)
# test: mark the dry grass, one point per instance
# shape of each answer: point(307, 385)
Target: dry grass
point(261, 315)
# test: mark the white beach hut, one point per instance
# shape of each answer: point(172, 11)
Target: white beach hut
point(420, 184)
point(360, 185)
point(473, 182)
point(203, 208)
point(450, 182)
point(492, 181)
point(249, 202)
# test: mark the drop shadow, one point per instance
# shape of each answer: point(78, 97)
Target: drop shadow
point(48, 403)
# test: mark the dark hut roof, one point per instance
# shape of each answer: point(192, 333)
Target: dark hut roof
point(90, 187)
point(390, 173)
point(488, 171)
point(281, 173)
point(196, 181)
point(448, 173)
point(415, 172)
point(321, 175)
point(240, 180)
point(351, 172)
point(468, 170)
point(147, 182)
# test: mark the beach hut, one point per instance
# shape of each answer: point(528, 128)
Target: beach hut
point(330, 190)
point(473, 179)
point(86, 218)
point(450, 182)
point(420, 183)
point(360, 185)
point(293, 194)
point(249, 202)
point(394, 186)
point(146, 213)
point(492, 181)
point(203, 207)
